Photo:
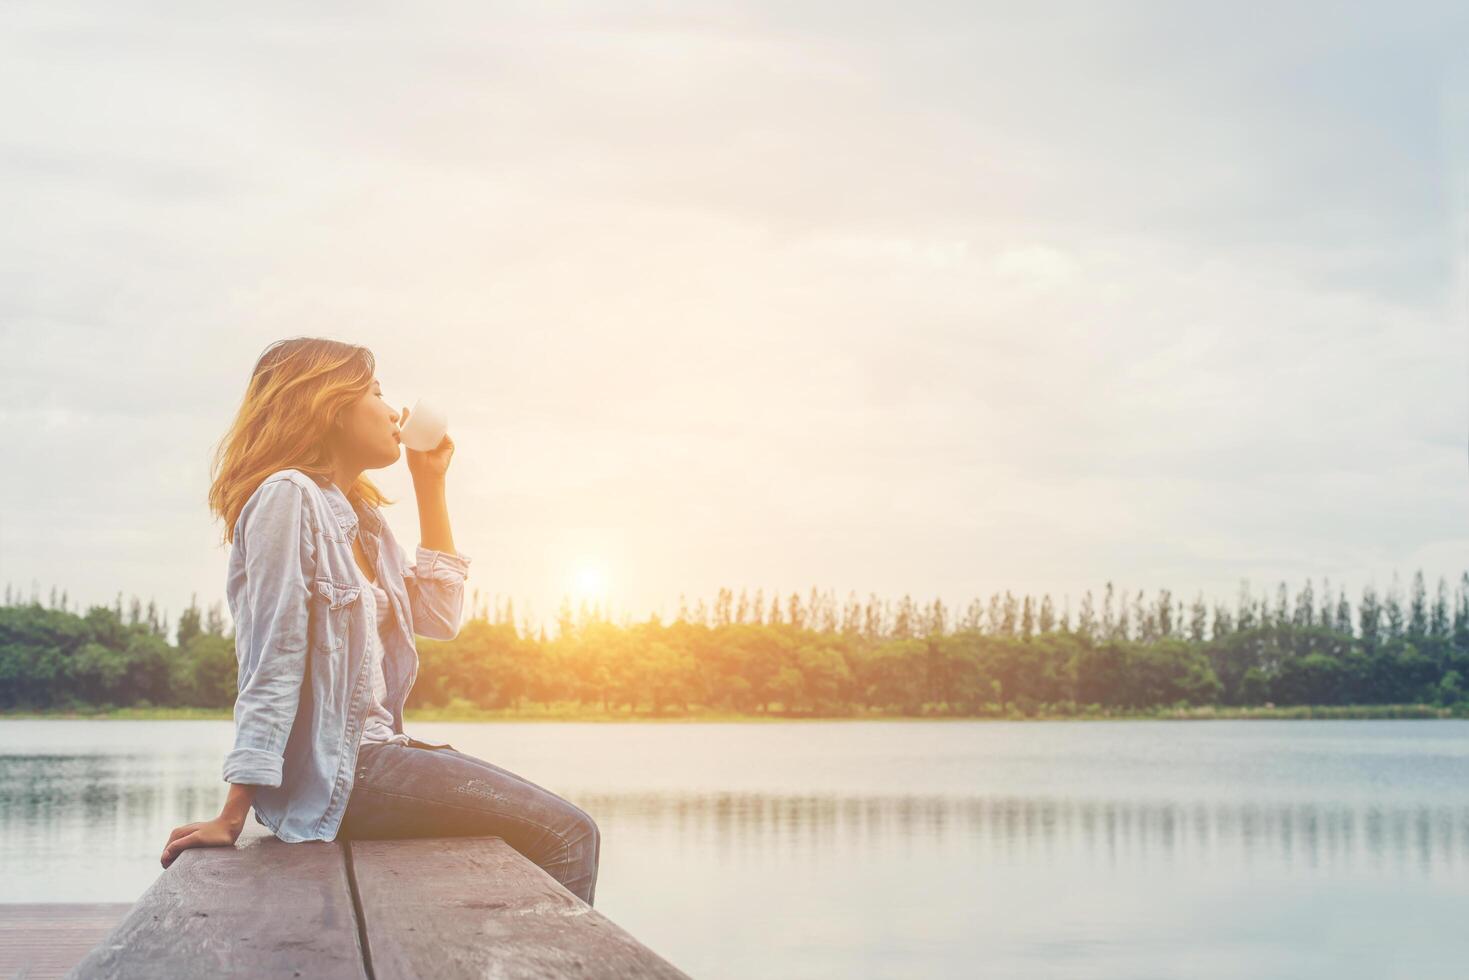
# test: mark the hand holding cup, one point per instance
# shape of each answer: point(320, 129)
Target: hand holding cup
point(425, 434)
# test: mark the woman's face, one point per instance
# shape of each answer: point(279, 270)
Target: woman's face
point(369, 432)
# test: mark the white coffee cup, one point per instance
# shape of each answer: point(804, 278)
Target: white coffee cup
point(426, 426)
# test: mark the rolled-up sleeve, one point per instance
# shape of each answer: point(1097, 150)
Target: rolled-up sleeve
point(279, 543)
point(435, 583)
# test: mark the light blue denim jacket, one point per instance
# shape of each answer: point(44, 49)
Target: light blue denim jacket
point(301, 638)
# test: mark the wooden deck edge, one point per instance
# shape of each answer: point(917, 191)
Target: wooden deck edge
point(445, 907)
point(475, 907)
point(259, 908)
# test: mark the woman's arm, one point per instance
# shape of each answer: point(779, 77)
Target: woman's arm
point(222, 830)
point(435, 580)
point(280, 557)
point(237, 805)
point(433, 513)
point(278, 545)
point(435, 584)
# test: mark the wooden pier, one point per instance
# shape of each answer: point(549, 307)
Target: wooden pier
point(43, 940)
point(450, 907)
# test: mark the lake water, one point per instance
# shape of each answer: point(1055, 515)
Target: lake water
point(897, 849)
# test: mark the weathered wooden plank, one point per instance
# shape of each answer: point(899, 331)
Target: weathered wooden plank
point(452, 907)
point(41, 941)
point(262, 908)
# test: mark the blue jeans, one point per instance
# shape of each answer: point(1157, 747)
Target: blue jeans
point(426, 790)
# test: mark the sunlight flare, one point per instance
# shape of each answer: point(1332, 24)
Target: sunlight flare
point(589, 581)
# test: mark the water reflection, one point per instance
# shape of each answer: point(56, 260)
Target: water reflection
point(1303, 835)
point(49, 797)
point(897, 850)
point(99, 790)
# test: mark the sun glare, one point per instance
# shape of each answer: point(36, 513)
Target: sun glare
point(589, 582)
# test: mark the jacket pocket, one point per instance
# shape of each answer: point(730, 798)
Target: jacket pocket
point(337, 594)
point(337, 602)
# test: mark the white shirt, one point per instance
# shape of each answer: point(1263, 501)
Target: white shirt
point(379, 724)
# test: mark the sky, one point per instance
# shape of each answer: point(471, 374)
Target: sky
point(938, 299)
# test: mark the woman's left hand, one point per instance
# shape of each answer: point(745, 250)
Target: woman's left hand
point(429, 464)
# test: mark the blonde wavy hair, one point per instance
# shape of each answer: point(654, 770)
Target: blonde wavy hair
point(295, 392)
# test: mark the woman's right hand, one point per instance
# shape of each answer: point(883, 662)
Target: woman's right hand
point(219, 832)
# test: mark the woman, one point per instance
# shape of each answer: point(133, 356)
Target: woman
point(326, 606)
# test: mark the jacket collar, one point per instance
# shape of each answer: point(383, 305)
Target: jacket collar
point(345, 514)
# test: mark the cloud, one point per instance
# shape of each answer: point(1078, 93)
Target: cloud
point(942, 301)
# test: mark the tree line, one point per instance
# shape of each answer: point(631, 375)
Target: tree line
point(1009, 655)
